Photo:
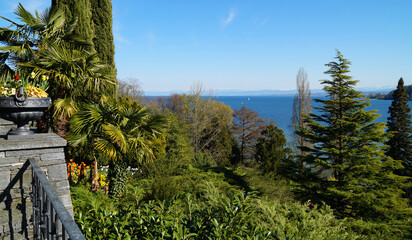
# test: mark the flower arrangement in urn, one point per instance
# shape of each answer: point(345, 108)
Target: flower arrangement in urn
point(23, 100)
point(33, 87)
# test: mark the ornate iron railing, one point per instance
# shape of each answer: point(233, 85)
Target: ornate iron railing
point(51, 219)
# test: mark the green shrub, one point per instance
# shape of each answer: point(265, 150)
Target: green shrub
point(399, 229)
point(212, 215)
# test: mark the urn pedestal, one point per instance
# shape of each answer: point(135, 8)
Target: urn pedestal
point(21, 111)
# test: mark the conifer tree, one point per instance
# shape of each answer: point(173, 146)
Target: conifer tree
point(399, 123)
point(103, 35)
point(346, 165)
point(94, 26)
point(79, 10)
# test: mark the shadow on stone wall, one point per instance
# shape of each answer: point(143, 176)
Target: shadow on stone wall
point(16, 176)
point(15, 205)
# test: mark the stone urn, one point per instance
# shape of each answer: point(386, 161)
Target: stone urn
point(21, 109)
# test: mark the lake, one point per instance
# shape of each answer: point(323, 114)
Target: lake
point(280, 108)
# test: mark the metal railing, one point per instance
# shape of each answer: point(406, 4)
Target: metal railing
point(51, 219)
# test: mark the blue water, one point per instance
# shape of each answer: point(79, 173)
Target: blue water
point(280, 108)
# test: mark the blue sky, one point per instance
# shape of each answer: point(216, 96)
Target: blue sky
point(256, 45)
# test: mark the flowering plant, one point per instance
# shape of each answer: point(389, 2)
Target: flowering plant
point(33, 86)
point(77, 172)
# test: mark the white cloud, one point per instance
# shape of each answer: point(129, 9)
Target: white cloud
point(230, 18)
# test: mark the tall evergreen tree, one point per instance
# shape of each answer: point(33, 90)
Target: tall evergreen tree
point(346, 166)
point(79, 10)
point(399, 123)
point(103, 34)
point(94, 25)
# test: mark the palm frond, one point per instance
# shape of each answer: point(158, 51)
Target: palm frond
point(116, 136)
point(24, 15)
point(142, 147)
point(64, 107)
point(156, 125)
point(77, 140)
point(87, 120)
point(106, 148)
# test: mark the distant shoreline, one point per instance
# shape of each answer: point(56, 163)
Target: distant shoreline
point(261, 93)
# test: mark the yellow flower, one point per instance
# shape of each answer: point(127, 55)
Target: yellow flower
point(13, 91)
point(33, 75)
point(332, 179)
point(35, 92)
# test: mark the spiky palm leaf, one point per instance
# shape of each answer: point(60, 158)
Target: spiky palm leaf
point(22, 42)
point(118, 127)
point(71, 69)
point(65, 107)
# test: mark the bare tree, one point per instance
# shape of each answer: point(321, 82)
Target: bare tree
point(207, 120)
point(248, 128)
point(130, 88)
point(302, 106)
point(197, 115)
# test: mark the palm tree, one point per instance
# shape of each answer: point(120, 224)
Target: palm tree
point(45, 44)
point(35, 32)
point(119, 129)
point(75, 76)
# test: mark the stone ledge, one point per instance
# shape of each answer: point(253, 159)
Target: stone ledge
point(34, 152)
point(41, 140)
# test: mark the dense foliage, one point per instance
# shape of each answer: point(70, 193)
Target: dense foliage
point(271, 149)
point(211, 215)
point(346, 167)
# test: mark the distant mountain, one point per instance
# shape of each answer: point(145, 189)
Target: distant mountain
point(260, 92)
point(315, 92)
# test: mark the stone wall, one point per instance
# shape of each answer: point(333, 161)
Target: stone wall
point(5, 126)
point(15, 179)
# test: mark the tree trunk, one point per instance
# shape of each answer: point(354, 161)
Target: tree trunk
point(95, 181)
